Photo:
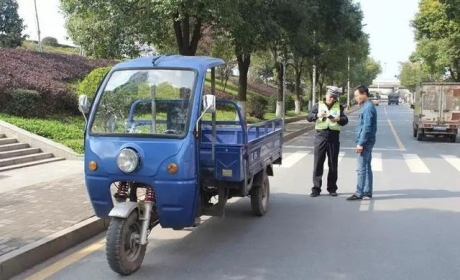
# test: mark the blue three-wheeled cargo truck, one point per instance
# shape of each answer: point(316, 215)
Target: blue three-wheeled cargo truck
point(156, 152)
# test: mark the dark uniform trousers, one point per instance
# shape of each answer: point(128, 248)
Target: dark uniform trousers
point(327, 143)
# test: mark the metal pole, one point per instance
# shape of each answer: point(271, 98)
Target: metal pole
point(38, 28)
point(284, 89)
point(313, 94)
point(348, 85)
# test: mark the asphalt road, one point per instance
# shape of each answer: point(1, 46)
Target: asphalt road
point(408, 231)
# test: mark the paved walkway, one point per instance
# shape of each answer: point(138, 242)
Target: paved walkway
point(38, 201)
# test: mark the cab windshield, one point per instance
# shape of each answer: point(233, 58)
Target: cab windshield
point(150, 102)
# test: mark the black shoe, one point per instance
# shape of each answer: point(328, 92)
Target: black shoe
point(333, 193)
point(314, 193)
point(354, 197)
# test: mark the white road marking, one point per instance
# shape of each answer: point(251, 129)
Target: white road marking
point(341, 155)
point(415, 164)
point(364, 205)
point(292, 159)
point(341, 148)
point(377, 165)
point(453, 160)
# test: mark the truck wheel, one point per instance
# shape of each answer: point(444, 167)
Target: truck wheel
point(123, 251)
point(260, 196)
point(420, 136)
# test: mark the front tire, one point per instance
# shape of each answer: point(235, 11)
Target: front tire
point(260, 196)
point(124, 253)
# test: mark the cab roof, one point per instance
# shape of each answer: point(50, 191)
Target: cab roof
point(199, 63)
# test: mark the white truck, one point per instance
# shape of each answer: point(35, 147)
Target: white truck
point(437, 110)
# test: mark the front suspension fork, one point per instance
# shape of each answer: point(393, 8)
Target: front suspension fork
point(147, 215)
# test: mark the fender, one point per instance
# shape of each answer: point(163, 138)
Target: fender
point(123, 209)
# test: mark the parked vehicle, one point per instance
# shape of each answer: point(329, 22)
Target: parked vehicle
point(375, 98)
point(437, 110)
point(393, 98)
point(148, 134)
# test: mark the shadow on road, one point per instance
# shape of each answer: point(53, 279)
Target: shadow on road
point(304, 238)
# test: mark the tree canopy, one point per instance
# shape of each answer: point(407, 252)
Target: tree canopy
point(11, 25)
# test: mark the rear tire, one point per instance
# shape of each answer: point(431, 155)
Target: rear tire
point(420, 136)
point(260, 196)
point(124, 254)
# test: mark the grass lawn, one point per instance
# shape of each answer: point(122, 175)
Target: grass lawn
point(69, 130)
point(32, 46)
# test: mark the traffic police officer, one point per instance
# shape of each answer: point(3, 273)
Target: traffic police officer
point(329, 117)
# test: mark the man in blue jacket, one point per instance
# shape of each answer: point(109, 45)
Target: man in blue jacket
point(365, 141)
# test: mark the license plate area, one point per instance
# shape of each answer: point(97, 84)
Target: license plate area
point(439, 128)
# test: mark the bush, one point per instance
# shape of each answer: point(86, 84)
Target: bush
point(50, 41)
point(272, 103)
point(46, 74)
point(30, 103)
point(290, 103)
point(257, 106)
point(90, 84)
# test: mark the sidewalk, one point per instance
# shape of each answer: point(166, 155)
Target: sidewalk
point(40, 202)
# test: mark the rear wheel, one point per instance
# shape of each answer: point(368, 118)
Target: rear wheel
point(260, 196)
point(124, 253)
point(420, 136)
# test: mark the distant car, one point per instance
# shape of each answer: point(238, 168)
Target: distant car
point(375, 98)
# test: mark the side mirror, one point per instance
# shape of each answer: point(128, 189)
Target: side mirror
point(209, 103)
point(83, 104)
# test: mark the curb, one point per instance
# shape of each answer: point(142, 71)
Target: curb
point(18, 261)
point(24, 258)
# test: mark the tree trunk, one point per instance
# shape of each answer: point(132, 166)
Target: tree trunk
point(279, 98)
point(244, 61)
point(186, 45)
point(298, 88)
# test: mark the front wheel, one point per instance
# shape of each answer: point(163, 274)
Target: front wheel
point(260, 196)
point(123, 250)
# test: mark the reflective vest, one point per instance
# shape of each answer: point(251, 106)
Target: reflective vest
point(334, 111)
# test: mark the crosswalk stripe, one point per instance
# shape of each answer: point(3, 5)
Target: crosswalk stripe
point(453, 160)
point(415, 164)
point(292, 159)
point(341, 155)
point(376, 162)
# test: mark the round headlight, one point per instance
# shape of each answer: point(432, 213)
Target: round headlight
point(128, 160)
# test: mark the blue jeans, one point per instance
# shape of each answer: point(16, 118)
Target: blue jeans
point(365, 176)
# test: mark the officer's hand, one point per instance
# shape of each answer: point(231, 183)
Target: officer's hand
point(359, 149)
point(321, 115)
point(336, 119)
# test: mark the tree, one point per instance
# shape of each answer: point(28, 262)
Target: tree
point(11, 25)
point(155, 22)
point(412, 74)
point(250, 27)
point(437, 32)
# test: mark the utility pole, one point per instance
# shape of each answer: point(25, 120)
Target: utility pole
point(313, 94)
point(348, 85)
point(38, 28)
point(284, 89)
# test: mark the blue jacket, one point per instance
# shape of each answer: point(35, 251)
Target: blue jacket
point(367, 125)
